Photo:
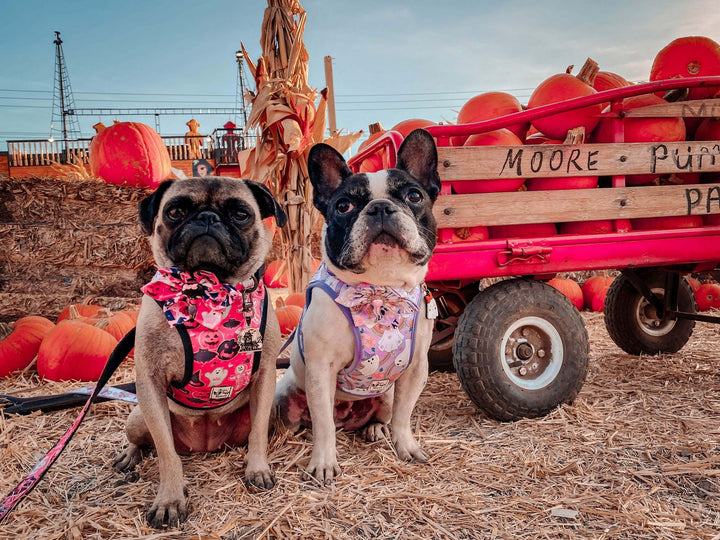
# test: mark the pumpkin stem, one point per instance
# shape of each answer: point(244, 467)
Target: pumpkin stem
point(102, 323)
point(104, 313)
point(73, 312)
point(376, 128)
point(575, 135)
point(588, 72)
point(280, 302)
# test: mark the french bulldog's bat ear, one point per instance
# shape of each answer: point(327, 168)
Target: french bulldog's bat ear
point(267, 203)
point(150, 206)
point(418, 156)
point(327, 170)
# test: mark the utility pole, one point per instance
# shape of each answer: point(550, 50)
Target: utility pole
point(330, 95)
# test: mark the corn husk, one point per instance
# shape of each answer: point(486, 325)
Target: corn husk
point(290, 117)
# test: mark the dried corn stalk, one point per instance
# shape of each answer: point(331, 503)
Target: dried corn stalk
point(289, 123)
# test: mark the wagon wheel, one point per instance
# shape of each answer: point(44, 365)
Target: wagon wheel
point(521, 350)
point(632, 321)
point(451, 303)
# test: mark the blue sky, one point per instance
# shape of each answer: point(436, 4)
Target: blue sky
point(391, 60)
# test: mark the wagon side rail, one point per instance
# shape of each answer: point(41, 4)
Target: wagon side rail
point(696, 248)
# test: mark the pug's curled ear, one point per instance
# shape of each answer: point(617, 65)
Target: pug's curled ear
point(327, 170)
point(267, 203)
point(150, 205)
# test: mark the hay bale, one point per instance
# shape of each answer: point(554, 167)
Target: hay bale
point(65, 240)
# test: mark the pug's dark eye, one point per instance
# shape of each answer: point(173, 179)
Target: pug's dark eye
point(240, 216)
point(344, 206)
point(414, 196)
point(175, 213)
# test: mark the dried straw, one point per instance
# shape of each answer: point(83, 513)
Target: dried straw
point(636, 456)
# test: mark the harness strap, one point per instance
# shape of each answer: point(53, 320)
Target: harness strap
point(122, 349)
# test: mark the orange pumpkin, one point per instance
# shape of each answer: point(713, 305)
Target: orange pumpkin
point(561, 87)
point(530, 230)
point(276, 274)
point(74, 350)
point(374, 162)
point(693, 282)
point(601, 226)
point(594, 291)
point(496, 137)
point(115, 323)
point(606, 80)
point(19, 348)
point(295, 299)
point(130, 153)
point(469, 234)
point(707, 296)
point(638, 129)
point(406, 126)
point(487, 106)
point(288, 317)
point(689, 56)
point(83, 310)
point(570, 289)
point(668, 222)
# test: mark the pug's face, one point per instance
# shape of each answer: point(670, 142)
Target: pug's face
point(210, 223)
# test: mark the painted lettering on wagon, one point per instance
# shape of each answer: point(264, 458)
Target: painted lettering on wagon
point(664, 158)
point(709, 197)
point(560, 159)
point(695, 159)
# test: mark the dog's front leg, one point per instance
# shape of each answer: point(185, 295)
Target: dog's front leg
point(320, 386)
point(262, 389)
point(170, 505)
point(407, 391)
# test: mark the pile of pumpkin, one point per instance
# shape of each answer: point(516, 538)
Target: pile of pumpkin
point(591, 294)
point(74, 347)
point(77, 345)
point(693, 56)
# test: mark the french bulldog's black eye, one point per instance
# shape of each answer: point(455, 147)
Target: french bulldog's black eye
point(414, 196)
point(344, 206)
point(175, 213)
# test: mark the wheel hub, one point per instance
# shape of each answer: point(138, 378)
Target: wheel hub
point(647, 316)
point(533, 353)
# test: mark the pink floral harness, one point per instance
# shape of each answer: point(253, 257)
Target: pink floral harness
point(221, 327)
point(383, 321)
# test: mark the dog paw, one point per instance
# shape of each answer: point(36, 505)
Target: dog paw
point(322, 472)
point(263, 479)
point(166, 512)
point(376, 431)
point(411, 452)
point(128, 459)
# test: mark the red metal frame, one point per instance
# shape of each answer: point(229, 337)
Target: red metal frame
point(693, 249)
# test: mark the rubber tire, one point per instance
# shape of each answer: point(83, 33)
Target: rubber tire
point(622, 305)
point(479, 359)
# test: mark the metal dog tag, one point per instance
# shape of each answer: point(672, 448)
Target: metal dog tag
point(431, 309)
point(249, 340)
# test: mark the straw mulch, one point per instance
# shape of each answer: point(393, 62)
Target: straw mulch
point(636, 456)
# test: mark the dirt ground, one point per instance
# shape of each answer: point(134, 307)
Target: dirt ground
point(636, 456)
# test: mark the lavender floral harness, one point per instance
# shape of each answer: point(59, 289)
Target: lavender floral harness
point(383, 320)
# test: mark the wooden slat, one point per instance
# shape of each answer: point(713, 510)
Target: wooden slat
point(699, 108)
point(549, 160)
point(576, 205)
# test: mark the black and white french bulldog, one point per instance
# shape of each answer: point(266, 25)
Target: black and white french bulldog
point(359, 359)
point(214, 394)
